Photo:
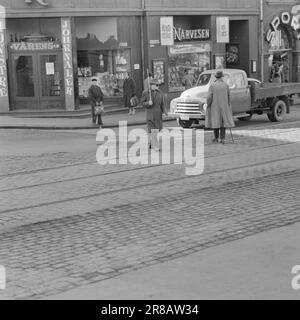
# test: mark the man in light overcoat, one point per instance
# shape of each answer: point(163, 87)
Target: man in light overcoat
point(219, 112)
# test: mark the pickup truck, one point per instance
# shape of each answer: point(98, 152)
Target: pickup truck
point(248, 97)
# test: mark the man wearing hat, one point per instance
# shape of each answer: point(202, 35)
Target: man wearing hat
point(96, 99)
point(153, 100)
point(219, 113)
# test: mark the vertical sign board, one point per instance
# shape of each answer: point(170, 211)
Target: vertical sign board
point(166, 31)
point(222, 29)
point(2, 278)
point(4, 103)
point(68, 62)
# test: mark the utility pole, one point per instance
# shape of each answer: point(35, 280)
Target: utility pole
point(262, 38)
point(143, 40)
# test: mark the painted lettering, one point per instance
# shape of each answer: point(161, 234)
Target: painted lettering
point(69, 91)
point(41, 2)
point(3, 69)
point(3, 92)
point(195, 34)
point(287, 18)
point(68, 59)
point(3, 82)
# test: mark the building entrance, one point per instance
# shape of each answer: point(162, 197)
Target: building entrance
point(36, 80)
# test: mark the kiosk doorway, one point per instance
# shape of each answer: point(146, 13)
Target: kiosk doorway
point(36, 80)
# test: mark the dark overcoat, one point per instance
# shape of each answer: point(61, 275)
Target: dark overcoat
point(95, 95)
point(154, 112)
point(219, 112)
point(129, 90)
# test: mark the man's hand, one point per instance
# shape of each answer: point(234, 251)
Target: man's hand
point(150, 103)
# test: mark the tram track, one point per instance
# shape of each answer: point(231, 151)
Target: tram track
point(145, 167)
point(166, 181)
point(92, 162)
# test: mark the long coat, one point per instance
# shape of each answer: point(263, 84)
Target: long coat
point(95, 95)
point(219, 112)
point(154, 112)
point(129, 90)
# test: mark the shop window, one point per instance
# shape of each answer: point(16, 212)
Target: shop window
point(109, 66)
point(50, 76)
point(187, 61)
point(237, 81)
point(24, 76)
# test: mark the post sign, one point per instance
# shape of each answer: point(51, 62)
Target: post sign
point(166, 31)
point(4, 104)
point(222, 29)
point(68, 62)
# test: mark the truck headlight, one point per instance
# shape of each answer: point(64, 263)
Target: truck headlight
point(173, 106)
point(204, 107)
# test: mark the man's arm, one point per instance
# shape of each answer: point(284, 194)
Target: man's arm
point(145, 99)
point(209, 99)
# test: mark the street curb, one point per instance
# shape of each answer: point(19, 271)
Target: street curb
point(131, 124)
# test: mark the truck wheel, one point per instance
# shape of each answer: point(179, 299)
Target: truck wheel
point(278, 111)
point(247, 118)
point(186, 124)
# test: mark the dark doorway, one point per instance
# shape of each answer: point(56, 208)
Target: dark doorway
point(237, 51)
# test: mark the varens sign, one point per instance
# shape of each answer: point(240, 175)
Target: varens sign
point(40, 2)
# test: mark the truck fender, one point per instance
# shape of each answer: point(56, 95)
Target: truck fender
point(286, 99)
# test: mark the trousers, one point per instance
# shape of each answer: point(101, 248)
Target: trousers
point(220, 132)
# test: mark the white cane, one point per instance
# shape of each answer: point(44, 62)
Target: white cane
point(231, 135)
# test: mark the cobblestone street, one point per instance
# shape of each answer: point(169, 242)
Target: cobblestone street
point(66, 221)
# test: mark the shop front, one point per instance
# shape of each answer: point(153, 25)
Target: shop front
point(36, 75)
point(282, 43)
point(105, 52)
point(201, 42)
point(35, 64)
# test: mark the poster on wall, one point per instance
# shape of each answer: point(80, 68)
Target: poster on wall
point(166, 31)
point(159, 70)
point(49, 68)
point(219, 62)
point(232, 54)
point(222, 29)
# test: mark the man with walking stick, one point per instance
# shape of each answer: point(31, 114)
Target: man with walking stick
point(219, 113)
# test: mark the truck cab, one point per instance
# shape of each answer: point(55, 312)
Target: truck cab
point(191, 106)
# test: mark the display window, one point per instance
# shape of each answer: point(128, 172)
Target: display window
point(185, 63)
point(109, 66)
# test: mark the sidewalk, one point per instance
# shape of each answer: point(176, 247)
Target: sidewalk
point(256, 267)
point(110, 121)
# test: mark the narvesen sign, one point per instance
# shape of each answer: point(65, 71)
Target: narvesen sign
point(188, 35)
point(291, 19)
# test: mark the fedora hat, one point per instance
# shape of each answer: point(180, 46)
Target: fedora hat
point(219, 74)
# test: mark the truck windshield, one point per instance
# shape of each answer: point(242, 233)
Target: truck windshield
point(204, 79)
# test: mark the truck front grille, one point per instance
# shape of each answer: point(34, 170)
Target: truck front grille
point(187, 108)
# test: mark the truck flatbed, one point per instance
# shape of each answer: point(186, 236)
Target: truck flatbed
point(268, 90)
